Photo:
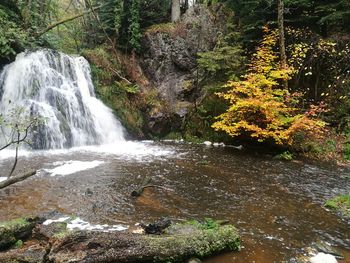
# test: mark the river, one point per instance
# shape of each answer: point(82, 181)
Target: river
point(276, 205)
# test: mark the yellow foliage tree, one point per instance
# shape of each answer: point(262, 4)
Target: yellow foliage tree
point(259, 105)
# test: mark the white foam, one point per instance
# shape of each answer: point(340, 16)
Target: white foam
point(323, 258)
point(59, 220)
point(207, 143)
point(79, 224)
point(129, 150)
point(3, 179)
point(71, 167)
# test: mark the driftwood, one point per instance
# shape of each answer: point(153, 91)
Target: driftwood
point(16, 179)
point(146, 184)
point(179, 243)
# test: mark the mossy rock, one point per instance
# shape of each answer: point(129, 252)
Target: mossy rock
point(17, 229)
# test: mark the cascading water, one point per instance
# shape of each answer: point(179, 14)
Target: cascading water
point(58, 87)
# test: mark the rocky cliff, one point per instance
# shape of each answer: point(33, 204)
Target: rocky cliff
point(169, 54)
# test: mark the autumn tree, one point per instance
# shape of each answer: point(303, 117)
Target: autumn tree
point(259, 105)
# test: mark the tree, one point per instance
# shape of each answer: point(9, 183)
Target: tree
point(282, 44)
point(259, 107)
point(175, 11)
point(15, 129)
point(134, 26)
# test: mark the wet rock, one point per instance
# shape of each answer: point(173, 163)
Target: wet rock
point(46, 232)
point(28, 254)
point(157, 227)
point(327, 249)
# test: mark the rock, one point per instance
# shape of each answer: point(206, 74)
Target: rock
point(18, 229)
point(327, 249)
point(169, 60)
point(28, 254)
point(323, 258)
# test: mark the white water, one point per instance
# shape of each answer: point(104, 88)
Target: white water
point(71, 167)
point(59, 88)
point(73, 224)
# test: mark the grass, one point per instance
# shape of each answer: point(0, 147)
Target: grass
point(340, 204)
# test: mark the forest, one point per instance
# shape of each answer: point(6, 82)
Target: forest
point(174, 110)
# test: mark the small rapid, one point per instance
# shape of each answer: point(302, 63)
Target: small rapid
point(58, 88)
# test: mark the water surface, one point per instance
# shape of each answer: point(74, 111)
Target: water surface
point(276, 205)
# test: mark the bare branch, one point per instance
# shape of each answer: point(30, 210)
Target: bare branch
point(16, 179)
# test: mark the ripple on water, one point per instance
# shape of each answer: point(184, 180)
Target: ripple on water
point(276, 205)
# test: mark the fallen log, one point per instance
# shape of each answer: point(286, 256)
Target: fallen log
point(179, 242)
point(16, 179)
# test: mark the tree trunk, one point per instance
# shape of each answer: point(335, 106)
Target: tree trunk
point(282, 38)
point(175, 11)
point(65, 20)
point(178, 243)
point(281, 33)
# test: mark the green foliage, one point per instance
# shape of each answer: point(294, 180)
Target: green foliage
point(347, 152)
point(124, 98)
point(323, 73)
point(12, 37)
point(321, 16)
point(125, 19)
point(225, 59)
point(19, 243)
point(286, 156)
point(134, 26)
point(210, 223)
point(340, 204)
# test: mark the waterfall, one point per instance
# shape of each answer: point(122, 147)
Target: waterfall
point(58, 87)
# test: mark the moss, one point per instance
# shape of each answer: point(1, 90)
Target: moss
point(18, 222)
point(173, 136)
point(62, 234)
point(19, 243)
point(203, 162)
point(286, 156)
point(160, 28)
point(14, 230)
point(194, 239)
point(347, 151)
point(340, 204)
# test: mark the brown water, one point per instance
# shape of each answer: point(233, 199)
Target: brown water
point(276, 205)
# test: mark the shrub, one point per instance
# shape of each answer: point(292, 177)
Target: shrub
point(261, 107)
